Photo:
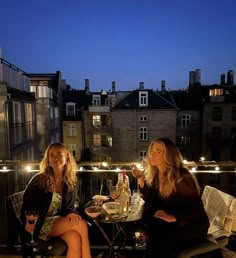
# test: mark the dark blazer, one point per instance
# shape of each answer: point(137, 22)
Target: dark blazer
point(185, 204)
point(36, 198)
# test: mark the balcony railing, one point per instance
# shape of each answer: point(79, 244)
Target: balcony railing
point(92, 178)
point(14, 76)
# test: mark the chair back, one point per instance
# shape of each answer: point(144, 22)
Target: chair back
point(15, 201)
point(221, 211)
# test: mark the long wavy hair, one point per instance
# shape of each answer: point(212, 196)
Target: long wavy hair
point(166, 184)
point(47, 178)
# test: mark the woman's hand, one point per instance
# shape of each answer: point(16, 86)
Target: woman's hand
point(73, 218)
point(161, 214)
point(30, 228)
point(136, 172)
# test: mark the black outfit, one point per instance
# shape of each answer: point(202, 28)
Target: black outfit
point(165, 239)
point(36, 198)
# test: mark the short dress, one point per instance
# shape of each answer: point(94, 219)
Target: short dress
point(51, 216)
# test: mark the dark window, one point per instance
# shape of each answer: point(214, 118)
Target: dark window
point(234, 113)
point(217, 114)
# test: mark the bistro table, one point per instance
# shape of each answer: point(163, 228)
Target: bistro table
point(116, 239)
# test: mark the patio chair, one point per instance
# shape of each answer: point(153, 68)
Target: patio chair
point(221, 210)
point(44, 249)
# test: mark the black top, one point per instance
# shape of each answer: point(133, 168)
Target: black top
point(185, 203)
point(36, 198)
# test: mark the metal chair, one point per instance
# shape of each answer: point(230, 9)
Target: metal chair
point(44, 249)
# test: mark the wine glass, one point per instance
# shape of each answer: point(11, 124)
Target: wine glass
point(115, 194)
point(31, 218)
point(139, 169)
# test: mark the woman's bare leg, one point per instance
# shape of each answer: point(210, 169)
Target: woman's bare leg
point(61, 226)
point(73, 241)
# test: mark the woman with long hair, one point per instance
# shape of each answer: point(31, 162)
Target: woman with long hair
point(52, 193)
point(173, 210)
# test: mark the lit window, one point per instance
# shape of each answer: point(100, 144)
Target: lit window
point(97, 140)
point(71, 130)
point(143, 134)
point(96, 120)
point(216, 92)
point(109, 141)
point(143, 98)
point(72, 148)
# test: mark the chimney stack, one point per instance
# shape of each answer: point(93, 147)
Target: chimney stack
point(191, 77)
point(86, 87)
point(163, 85)
point(222, 79)
point(195, 77)
point(230, 77)
point(141, 85)
point(113, 86)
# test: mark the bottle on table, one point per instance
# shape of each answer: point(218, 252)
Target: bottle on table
point(125, 196)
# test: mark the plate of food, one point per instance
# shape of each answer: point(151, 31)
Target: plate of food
point(101, 198)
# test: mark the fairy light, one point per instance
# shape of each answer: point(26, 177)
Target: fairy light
point(28, 168)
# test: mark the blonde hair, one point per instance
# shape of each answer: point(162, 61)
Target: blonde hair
point(173, 168)
point(47, 179)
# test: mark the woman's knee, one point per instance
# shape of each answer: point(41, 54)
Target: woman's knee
point(83, 225)
point(72, 238)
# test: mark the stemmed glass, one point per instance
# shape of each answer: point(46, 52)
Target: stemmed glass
point(31, 218)
point(115, 194)
point(139, 169)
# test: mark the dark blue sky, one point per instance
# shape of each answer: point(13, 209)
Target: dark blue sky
point(127, 41)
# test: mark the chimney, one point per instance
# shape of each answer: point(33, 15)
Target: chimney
point(222, 79)
point(197, 77)
point(191, 77)
point(113, 86)
point(230, 77)
point(86, 88)
point(163, 85)
point(141, 86)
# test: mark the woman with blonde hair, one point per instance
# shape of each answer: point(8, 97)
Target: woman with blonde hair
point(173, 209)
point(52, 193)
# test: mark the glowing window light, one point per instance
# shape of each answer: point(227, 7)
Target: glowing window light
point(4, 168)
point(202, 159)
point(217, 168)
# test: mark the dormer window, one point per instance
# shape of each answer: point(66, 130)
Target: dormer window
point(70, 109)
point(143, 98)
point(96, 100)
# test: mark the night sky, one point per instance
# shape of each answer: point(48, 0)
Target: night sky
point(126, 41)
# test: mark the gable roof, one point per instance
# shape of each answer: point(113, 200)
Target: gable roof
point(155, 101)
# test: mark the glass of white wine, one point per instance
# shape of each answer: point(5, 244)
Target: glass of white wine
point(115, 194)
point(31, 218)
